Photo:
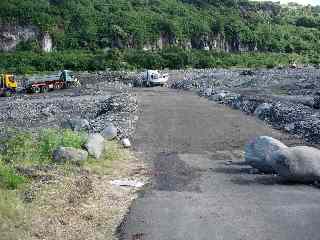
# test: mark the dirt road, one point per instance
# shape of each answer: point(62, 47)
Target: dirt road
point(197, 192)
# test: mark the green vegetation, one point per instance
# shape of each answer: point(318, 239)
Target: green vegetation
point(104, 166)
point(132, 59)
point(81, 29)
point(24, 149)
point(28, 149)
point(67, 185)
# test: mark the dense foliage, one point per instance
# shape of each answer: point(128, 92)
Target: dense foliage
point(171, 58)
point(90, 25)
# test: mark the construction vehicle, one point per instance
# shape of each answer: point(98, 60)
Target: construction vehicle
point(37, 84)
point(154, 78)
point(8, 85)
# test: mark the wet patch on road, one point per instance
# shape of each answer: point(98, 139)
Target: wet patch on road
point(173, 174)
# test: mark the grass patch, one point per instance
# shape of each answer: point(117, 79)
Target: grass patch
point(35, 149)
point(114, 152)
point(32, 149)
point(9, 179)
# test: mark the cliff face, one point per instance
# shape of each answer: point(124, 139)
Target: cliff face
point(11, 35)
point(212, 41)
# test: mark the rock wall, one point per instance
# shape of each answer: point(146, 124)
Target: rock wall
point(11, 35)
point(211, 41)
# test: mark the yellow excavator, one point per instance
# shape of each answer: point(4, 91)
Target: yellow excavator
point(8, 85)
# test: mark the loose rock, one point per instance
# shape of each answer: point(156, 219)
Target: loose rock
point(77, 124)
point(69, 154)
point(258, 153)
point(95, 145)
point(126, 143)
point(110, 132)
point(298, 164)
point(263, 111)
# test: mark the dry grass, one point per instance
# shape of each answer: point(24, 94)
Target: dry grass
point(85, 206)
point(14, 222)
point(72, 202)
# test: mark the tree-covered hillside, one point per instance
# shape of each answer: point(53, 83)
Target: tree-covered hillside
point(210, 26)
point(92, 24)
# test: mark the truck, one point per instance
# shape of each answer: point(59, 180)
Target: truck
point(37, 84)
point(152, 78)
point(8, 85)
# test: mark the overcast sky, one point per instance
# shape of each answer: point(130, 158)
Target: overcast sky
point(304, 2)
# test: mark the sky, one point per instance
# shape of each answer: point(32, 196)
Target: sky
point(303, 2)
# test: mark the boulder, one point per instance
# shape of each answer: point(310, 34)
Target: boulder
point(298, 164)
point(218, 97)
point(206, 92)
point(126, 142)
point(95, 145)
point(69, 154)
point(77, 124)
point(263, 111)
point(110, 132)
point(258, 152)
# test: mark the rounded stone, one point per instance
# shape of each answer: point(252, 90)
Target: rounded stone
point(258, 152)
point(110, 132)
point(298, 164)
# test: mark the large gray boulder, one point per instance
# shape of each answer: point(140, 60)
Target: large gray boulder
point(69, 154)
point(298, 164)
point(110, 132)
point(259, 150)
point(95, 145)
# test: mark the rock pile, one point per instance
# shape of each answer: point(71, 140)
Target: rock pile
point(296, 81)
point(121, 111)
point(295, 118)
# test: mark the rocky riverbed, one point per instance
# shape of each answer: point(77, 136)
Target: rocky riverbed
point(99, 103)
point(285, 98)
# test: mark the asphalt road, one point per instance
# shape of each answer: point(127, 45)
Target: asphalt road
point(200, 189)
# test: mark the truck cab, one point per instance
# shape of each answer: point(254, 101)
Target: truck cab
point(8, 84)
point(68, 77)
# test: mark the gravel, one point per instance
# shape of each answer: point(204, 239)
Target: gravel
point(91, 108)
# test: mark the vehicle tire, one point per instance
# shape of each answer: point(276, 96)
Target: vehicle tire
point(58, 86)
point(35, 89)
point(7, 94)
point(44, 89)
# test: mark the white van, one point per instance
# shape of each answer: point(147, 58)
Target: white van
point(154, 78)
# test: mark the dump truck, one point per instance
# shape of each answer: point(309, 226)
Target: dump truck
point(37, 84)
point(8, 85)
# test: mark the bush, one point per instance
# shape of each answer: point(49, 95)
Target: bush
point(9, 179)
point(28, 149)
point(130, 59)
